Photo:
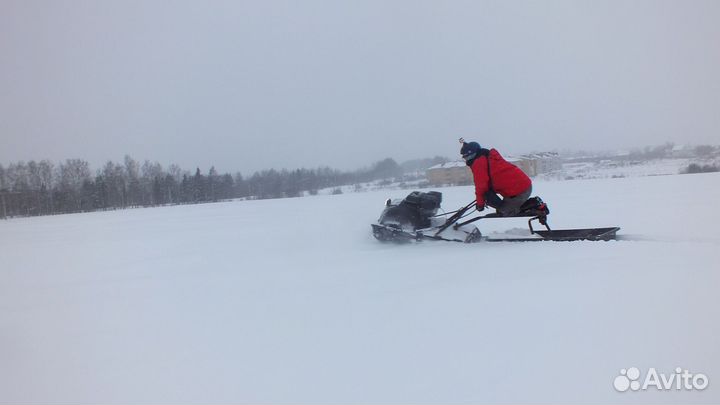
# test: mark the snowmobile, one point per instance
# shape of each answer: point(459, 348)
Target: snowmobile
point(416, 218)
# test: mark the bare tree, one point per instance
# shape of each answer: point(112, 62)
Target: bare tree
point(72, 176)
point(46, 169)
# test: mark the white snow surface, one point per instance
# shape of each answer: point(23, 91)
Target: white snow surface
point(293, 301)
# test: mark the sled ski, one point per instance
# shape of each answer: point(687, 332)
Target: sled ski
point(566, 235)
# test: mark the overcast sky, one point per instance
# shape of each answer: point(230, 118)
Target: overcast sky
point(247, 85)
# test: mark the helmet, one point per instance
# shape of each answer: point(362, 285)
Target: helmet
point(469, 151)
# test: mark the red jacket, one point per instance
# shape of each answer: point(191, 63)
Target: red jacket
point(507, 179)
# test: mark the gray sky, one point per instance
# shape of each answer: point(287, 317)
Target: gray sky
point(260, 84)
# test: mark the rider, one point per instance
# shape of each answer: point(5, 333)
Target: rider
point(494, 175)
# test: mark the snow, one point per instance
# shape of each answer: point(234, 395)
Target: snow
point(630, 168)
point(293, 301)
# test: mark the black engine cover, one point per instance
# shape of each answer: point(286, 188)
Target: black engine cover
point(413, 211)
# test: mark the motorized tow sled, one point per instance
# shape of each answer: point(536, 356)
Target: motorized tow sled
point(416, 218)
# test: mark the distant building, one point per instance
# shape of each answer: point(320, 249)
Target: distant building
point(537, 163)
point(546, 162)
point(449, 173)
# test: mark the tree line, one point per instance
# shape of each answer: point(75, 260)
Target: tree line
point(694, 168)
point(44, 188)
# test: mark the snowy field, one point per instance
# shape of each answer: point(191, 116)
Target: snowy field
point(293, 301)
point(613, 169)
point(609, 169)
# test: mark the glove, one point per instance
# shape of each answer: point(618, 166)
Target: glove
point(479, 207)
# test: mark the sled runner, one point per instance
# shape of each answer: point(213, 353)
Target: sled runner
point(415, 218)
